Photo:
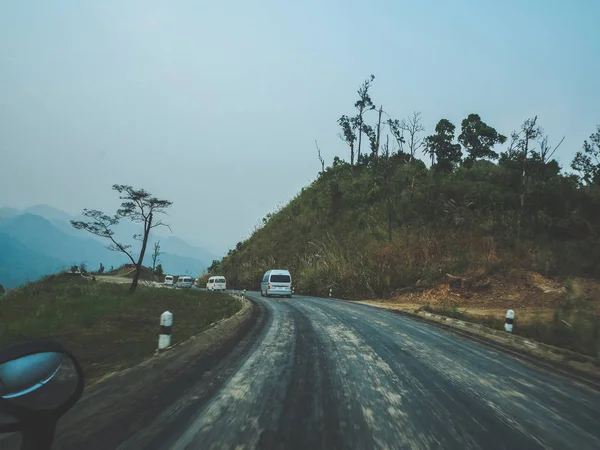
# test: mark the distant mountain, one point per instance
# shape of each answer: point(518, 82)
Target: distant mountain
point(48, 212)
point(6, 213)
point(19, 264)
point(41, 236)
point(179, 265)
point(34, 246)
point(177, 246)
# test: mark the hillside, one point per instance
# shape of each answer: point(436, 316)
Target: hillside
point(106, 327)
point(388, 222)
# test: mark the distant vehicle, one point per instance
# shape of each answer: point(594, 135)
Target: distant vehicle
point(277, 282)
point(216, 283)
point(169, 280)
point(184, 282)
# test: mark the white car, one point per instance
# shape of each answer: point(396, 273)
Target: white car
point(169, 280)
point(184, 282)
point(216, 283)
point(277, 282)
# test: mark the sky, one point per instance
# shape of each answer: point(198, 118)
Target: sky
point(217, 105)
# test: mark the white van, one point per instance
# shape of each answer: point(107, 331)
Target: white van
point(169, 280)
point(184, 282)
point(276, 282)
point(216, 283)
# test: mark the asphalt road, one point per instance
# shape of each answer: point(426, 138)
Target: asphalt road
point(324, 374)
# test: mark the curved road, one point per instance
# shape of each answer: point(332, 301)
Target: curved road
point(323, 374)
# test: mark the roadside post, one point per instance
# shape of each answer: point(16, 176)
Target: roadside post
point(166, 326)
point(510, 318)
point(244, 294)
point(330, 292)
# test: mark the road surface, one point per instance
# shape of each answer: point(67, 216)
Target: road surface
point(323, 374)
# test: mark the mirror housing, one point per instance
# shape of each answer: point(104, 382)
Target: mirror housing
point(39, 382)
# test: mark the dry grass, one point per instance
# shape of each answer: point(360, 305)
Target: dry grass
point(563, 314)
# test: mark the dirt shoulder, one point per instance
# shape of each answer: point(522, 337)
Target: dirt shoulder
point(556, 323)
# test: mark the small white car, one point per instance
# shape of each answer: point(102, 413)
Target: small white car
point(184, 282)
point(169, 280)
point(216, 283)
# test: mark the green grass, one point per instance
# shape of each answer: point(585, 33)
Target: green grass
point(107, 328)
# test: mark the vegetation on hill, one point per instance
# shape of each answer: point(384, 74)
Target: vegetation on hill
point(386, 221)
point(106, 327)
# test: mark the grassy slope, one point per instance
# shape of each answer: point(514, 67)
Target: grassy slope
point(335, 234)
point(107, 328)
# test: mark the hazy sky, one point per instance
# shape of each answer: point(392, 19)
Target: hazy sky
point(216, 105)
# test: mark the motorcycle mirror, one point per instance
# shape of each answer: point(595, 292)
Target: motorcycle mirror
point(39, 382)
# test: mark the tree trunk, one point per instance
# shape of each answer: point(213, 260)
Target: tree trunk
point(523, 186)
point(360, 124)
point(390, 216)
point(138, 266)
point(378, 132)
point(136, 276)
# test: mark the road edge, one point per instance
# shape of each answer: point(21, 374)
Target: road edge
point(570, 365)
point(127, 386)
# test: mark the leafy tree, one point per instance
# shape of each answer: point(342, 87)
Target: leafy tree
point(397, 132)
point(214, 267)
point(138, 206)
point(83, 268)
point(347, 135)
point(587, 163)
point(101, 268)
point(74, 268)
point(159, 270)
point(363, 104)
point(2, 290)
point(440, 147)
point(478, 138)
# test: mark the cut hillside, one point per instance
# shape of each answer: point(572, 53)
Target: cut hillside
point(336, 232)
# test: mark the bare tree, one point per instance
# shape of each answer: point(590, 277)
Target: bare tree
point(138, 206)
point(530, 131)
point(413, 127)
point(546, 150)
point(387, 174)
point(321, 160)
point(155, 254)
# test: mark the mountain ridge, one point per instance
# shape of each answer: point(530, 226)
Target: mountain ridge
point(35, 245)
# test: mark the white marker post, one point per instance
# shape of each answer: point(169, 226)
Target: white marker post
point(510, 318)
point(166, 326)
point(330, 292)
point(244, 294)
